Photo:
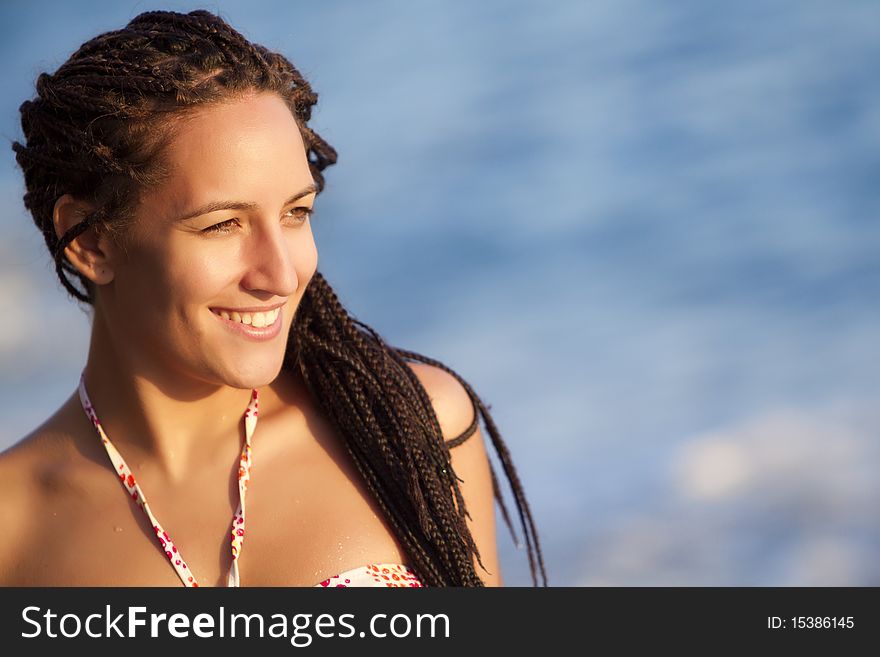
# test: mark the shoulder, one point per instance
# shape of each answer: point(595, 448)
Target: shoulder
point(26, 469)
point(452, 404)
point(456, 412)
point(16, 500)
point(23, 464)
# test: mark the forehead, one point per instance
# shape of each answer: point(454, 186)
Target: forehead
point(248, 148)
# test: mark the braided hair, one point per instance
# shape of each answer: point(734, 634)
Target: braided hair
point(97, 129)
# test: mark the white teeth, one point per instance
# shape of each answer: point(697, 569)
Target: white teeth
point(257, 320)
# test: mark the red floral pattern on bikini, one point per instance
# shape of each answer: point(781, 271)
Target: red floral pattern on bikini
point(375, 574)
point(368, 575)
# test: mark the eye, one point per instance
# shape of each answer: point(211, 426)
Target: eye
point(223, 227)
point(301, 214)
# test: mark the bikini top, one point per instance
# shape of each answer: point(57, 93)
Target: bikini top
point(375, 574)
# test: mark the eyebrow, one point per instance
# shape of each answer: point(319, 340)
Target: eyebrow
point(214, 206)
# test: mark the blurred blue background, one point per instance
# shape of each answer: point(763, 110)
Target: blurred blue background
point(645, 233)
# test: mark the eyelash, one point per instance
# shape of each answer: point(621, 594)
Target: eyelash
point(223, 227)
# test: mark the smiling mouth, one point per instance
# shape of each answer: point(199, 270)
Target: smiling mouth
point(257, 320)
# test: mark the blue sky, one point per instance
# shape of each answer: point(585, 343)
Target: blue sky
point(646, 234)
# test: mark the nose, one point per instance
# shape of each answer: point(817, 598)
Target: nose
point(270, 261)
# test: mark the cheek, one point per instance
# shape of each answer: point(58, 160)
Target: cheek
point(169, 279)
point(301, 249)
point(202, 274)
point(142, 283)
point(307, 261)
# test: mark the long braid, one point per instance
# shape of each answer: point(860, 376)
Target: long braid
point(370, 382)
point(529, 530)
point(98, 129)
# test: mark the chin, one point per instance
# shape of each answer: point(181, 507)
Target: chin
point(255, 375)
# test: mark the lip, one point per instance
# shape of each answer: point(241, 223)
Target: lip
point(253, 333)
point(251, 309)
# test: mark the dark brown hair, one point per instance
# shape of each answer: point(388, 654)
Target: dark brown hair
point(97, 130)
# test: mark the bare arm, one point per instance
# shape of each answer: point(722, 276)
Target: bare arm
point(11, 511)
point(455, 412)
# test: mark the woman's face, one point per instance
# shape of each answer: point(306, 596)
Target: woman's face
point(187, 261)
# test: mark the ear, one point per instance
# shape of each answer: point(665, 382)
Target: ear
point(89, 251)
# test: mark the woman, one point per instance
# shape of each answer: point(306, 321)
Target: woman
point(171, 169)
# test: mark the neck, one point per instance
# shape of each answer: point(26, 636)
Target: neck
point(160, 419)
